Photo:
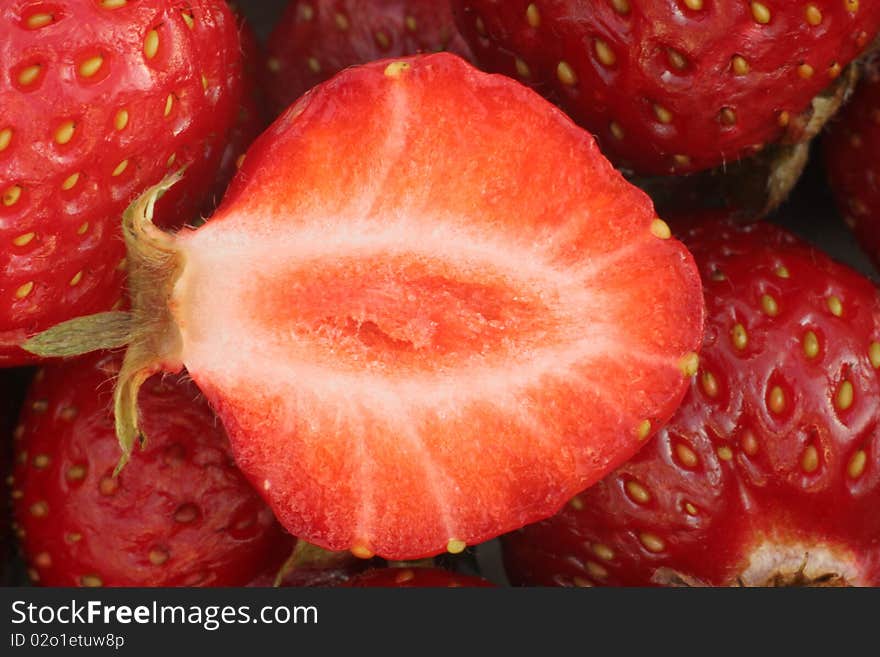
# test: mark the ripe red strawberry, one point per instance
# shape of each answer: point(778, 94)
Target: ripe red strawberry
point(428, 311)
point(677, 86)
point(252, 114)
point(100, 98)
point(412, 578)
point(314, 40)
point(852, 156)
point(180, 514)
point(770, 470)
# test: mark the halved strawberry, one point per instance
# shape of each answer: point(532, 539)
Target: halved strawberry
point(428, 311)
point(412, 578)
point(100, 99)
point(314, 40)
point(852, 156)
point(682, 85)
point(769, 473)
point(181, 514)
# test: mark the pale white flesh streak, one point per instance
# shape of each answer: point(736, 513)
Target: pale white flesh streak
point(216, 303)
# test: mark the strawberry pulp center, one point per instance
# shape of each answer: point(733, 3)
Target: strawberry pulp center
point(321, 303)
point(398, 313)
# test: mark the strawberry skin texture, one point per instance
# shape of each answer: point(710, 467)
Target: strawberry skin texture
point(179, 514)
point(673, 86)
point(99, 103)
point(852, 157)
point(252, 117)
point(769, 473)
point(414, 578)
point(441, 311)
point(314, 40)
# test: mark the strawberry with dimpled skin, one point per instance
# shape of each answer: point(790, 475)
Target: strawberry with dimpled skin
point(314, 40)
point(769, 472)
point(852, 157)
point(677, 86)
point(180, 514)
point(100, 99)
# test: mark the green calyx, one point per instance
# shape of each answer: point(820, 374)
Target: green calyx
point(148, 330)
point(305, 555)
point(82, 335)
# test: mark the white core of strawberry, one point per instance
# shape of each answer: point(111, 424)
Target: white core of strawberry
point(296, 375)
point(225, 338)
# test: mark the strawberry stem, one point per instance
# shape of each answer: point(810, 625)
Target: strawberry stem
point(154, 342)
point(149, 330)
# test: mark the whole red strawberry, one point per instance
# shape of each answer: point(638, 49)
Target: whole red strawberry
point(681, 85)
point(769, 473)
point(252, 117)
point(852, 156)
point(100, 99)
point(314, 40)
point(180, 513)
point(412, 578)
point(411, 349)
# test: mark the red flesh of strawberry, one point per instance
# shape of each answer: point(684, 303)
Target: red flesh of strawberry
point(768, 473)
point(314, 40)
point(99, 103)
point(179, 514)
point(429, 311)
point(852, 155)
point(674, 86)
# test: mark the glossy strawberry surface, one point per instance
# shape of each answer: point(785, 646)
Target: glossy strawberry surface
point(314, 40)
point(100, 100)
point(769, 473)
point(674, 86)
point(852, 156)
point(252, 117)
point(179, 514)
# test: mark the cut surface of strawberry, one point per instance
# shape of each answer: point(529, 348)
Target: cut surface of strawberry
point(99, 101)
point(676, 86)
point(180, 514)
point(428, 311)
point(769, 472)
point(314, 40)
